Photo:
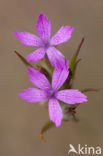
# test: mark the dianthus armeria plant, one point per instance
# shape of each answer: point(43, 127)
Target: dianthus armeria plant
point(53, 77)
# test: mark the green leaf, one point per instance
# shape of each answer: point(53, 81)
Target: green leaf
point(22, 59)
point(45, 128)
point(73, 63)
point(38, 67)
point(90, 90)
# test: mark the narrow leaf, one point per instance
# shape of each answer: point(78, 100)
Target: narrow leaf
point(46, 127)
point(73, 65)
point(79, 47)
point(76, 63)
point(90, 90)
point(22, 59)
point(73, 61)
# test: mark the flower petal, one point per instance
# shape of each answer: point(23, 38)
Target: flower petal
point(33, 95)
point(56, 58)
point(71, 96)
point(38, 79)
point(59, 76)
point(43, 27)
point(36, 55)
point(28, 38)
point(55, 111)
point(63, 34)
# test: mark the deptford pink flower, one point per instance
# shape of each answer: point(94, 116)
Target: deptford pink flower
point(50, 92)
point(44, 42)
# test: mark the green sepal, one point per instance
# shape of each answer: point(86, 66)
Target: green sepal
point(47, 65)
point(72, 64)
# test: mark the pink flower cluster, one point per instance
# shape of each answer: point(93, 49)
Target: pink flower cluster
point(44, 89)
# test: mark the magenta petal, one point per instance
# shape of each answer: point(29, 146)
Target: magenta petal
point(36, 55)
point(28, 38)
point(38, 79)
point(55, 112)
point(56, 58)
point(63, 34)
point(59, 76)
point(71, 96)
point(33, 95)
point(43, 27)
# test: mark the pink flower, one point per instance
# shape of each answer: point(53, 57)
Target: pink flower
point(44, 42)
point(50, 92)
